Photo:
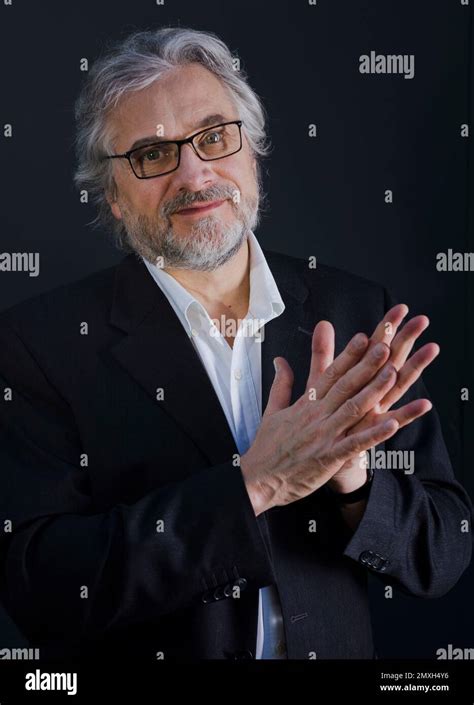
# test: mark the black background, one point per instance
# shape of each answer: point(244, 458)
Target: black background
point(325, 194)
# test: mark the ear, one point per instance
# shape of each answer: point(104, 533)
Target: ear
point(254, 165)
point(115, 208)
point(113, 203)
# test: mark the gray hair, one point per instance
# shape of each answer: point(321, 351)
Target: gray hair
point(131, 65)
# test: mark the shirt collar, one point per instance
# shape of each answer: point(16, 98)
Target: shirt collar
point(265, 302)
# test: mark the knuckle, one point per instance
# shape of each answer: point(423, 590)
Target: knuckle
point(354, 444)
point(301, 403)
point(342, 387)
point(399, 387)
point(352, 407)
point(331, 373)
point(308, 413)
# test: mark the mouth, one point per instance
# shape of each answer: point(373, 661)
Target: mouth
point(200, 209)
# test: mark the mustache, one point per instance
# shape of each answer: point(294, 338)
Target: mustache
point(187, 199)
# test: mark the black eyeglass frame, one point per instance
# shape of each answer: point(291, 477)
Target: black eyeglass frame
point(179, 143)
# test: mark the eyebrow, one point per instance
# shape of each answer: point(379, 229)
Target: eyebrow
point(213, 119)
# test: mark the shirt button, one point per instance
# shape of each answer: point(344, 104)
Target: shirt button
point(238, 374)
point(194, 332)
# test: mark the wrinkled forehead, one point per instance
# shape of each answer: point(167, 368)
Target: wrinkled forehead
point(172, 107)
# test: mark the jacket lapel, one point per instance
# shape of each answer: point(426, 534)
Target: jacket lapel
point(289, 335)
point(158, 353)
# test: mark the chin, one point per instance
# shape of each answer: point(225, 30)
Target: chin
point(206, 226)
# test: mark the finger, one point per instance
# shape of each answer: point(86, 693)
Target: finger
point(362, 441)
point(280, 391)
point(405, 339)
point(354, 379)
point(356, 407)
point(404, 415)
point(322, 352)
point(409, 373)
point(386, 329)
point(349, 357)
point(409, 412)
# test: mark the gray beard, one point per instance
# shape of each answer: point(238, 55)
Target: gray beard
point(208, 245)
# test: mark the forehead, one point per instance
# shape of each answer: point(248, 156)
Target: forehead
point(172, 107)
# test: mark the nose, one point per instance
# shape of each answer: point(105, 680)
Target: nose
point(193, 173)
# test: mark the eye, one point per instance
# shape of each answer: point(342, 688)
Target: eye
point(152, 155)
point(213, 137)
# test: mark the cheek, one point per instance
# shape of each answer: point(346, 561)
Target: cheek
point(143, 197)
point(248, 181)
point(243, 176)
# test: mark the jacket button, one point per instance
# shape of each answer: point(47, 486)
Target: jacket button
point(240, 583)
point(366, 557)
point(373, 560)
point(380, 563)
point(207, 597)
point(219, 593)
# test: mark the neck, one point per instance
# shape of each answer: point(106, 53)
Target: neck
point(225, 290)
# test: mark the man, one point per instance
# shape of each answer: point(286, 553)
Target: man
point(149, 509)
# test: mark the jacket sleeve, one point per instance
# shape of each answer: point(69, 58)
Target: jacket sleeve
point(416, 529)
point(67, 567)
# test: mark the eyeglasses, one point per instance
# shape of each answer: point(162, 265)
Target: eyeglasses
point(160, 158)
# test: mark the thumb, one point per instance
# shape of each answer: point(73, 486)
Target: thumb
point(280, 392)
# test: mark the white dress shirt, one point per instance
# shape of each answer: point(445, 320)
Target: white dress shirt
point(236, 376)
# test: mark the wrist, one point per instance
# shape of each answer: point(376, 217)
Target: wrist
point(356, 495)
point(254, 490)
point(349, 482)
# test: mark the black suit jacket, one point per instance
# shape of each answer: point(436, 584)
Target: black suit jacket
point(92, 460)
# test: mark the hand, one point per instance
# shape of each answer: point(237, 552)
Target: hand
point(300, 447)
point(352, 474)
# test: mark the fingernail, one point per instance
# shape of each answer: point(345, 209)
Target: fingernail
point(387, 372)
point(379, 351)
point(359, 341)
point(275, 365)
